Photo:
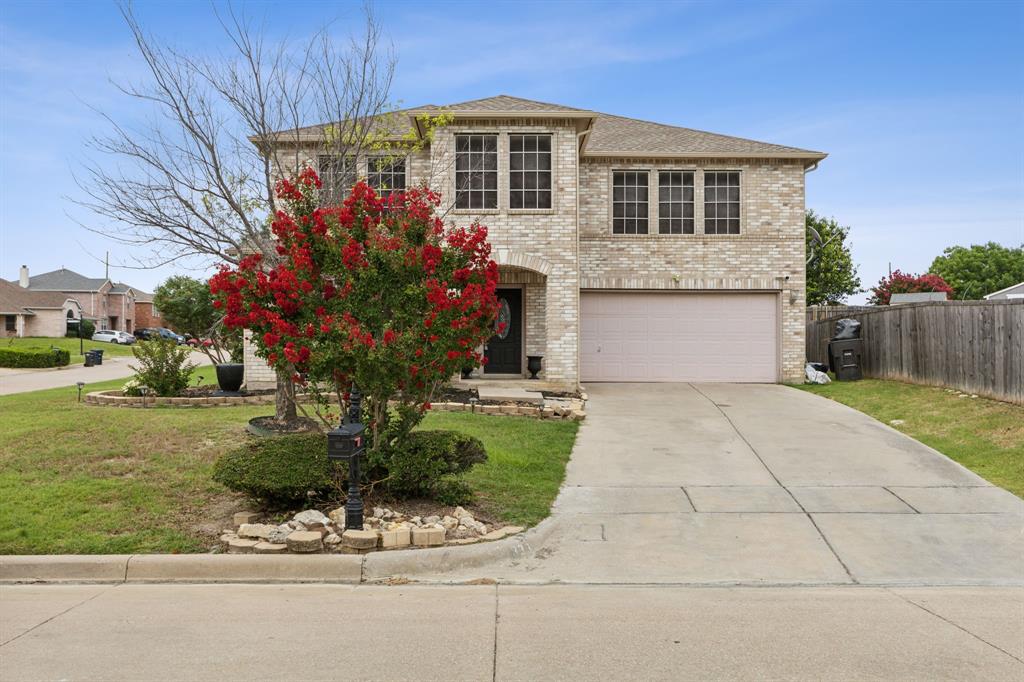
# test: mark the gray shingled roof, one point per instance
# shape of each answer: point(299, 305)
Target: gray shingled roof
point(610, 135)
point(65, 280)
point(16, 300)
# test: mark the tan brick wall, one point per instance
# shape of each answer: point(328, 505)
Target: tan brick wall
point(769, 248)
point(258, 373)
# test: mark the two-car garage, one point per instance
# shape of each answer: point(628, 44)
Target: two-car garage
point(679, 336)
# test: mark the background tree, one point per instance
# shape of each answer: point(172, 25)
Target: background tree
point(187, 305)
point(831, 274)
point(902, 283)
point(980, 269)
point(196, 182)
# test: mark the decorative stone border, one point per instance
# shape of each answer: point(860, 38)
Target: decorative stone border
point(115, 399)
point(571, 412)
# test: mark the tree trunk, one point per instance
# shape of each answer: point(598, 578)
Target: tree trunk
point(284, 401)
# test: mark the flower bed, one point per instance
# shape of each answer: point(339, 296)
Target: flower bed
point(118, 399)
point(311, 532)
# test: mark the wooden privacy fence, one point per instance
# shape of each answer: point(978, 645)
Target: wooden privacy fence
point(827, 312)
point(975, 346)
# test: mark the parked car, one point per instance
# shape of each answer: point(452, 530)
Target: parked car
point(147, 333)
point(113, 336)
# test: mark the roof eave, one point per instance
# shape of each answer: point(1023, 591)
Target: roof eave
point(489, 113)
point(808, 156)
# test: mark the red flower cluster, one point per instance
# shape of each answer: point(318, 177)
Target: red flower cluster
point(905, 283)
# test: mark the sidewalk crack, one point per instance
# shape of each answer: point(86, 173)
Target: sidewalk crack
point(58, 615)
point(494, 659)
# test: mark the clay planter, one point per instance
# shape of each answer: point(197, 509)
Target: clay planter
point(230, 376)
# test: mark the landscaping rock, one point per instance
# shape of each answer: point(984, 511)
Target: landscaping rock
point(337, 516)
point(305, 542)
point(280, 534)
point(430, 520)
point(359, 539)
point(399, 537)
point(427, 537)
point(332, 539)
point(256, 530)
point(269, 548)
point(241, 546)
point(311, 517)
point(460, 512)
point(245, 517)
point(450, 523)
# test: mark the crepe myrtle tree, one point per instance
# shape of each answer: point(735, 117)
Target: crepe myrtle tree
point(376, 292)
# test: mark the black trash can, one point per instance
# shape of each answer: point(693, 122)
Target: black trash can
point(90, 358)
point(98, 354)
point(844, 358)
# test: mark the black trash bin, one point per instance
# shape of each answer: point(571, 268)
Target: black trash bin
point(844, 351)
point(90, 358)
point(98, 354)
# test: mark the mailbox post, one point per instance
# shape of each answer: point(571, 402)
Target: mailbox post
point(345, 443)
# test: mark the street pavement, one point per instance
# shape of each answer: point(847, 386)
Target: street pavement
point(508, 632)
point(25, 380)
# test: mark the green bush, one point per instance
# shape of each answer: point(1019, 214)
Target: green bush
point(280, 470)
point(34, 357)
point(430, 463)
point(163, 366)
point(88, 329)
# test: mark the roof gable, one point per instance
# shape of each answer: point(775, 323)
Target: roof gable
point(65, 280)
point(16, 300)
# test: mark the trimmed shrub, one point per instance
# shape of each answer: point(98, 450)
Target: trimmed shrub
point(163, 366)
point(88, 329)
point(430, 463)
point(280, 470)
point(34, 357)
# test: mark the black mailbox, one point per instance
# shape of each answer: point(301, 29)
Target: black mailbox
point(345, 442)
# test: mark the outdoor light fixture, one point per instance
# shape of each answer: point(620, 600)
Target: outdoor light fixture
point(346, 443)
point(81, 385)
point(144, 390)
point(472, 404)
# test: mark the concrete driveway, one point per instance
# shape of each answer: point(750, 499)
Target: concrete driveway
point(764, 485)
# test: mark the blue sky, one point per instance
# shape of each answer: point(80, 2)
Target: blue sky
point(919, 105)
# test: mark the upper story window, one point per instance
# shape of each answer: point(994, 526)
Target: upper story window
point(529, 171)
point(721, 202)
point(386, 174)
point(675, 202)
point(337, 175)
point(629, 202)
point(476, 171)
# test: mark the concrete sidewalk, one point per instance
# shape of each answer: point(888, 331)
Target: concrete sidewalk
point(327, 632)
point(22, 380)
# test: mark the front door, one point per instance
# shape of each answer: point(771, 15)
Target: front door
point(505, 349)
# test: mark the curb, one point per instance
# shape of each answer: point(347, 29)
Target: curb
point(266, 568)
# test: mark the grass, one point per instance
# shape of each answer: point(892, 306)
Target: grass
point(986, 436)
point(100, 480)
point(68, 344)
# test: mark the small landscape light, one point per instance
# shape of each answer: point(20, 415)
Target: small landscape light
point(144, 390)
point(81, 385)
point(472, 404)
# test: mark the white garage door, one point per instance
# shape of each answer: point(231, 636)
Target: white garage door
point(679, 337)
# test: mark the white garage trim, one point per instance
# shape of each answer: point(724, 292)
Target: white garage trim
point(680, 336)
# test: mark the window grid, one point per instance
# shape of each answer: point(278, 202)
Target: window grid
point(675, 202)
point(337, 175)
point(387, 175)
point(529, 164)
point(629, 202)
point(721, 202)
point(476, 171)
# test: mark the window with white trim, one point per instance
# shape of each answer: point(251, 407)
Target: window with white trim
point(386, 174)
point(721, 202)
point(675, 202)
point(629, 202)
point(529, 171)
point(337, 175)
point(476, 171)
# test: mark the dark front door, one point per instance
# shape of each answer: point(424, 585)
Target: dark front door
point(505, 349)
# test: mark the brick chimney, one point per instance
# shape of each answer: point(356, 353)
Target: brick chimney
point(23, 277)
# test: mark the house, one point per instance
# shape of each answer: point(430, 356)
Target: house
point(35, 313)
point(110, 305)
point(628, 250)
point(918, 297)
point(1013, 292)
point(146, 313)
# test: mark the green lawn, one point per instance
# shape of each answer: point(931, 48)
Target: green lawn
point(986, 436)
point(70, 345)
point(85, 479)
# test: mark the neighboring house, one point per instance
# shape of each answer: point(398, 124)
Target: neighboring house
point(110, 305)
point(628, 250)
point(918, 297)
point(1014, 292)
point(146, 313)
point(35, 313)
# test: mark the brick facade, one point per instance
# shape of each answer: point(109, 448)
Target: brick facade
point(553, 254)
